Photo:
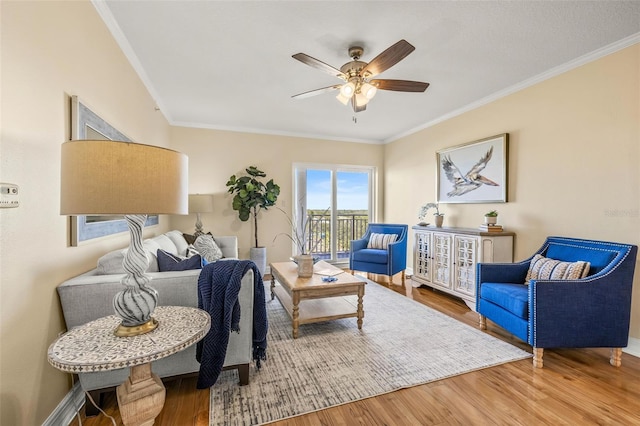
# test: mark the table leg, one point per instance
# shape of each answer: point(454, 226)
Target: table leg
point(360, 306)
point(295, 314)
point(273, 285)
point(140, 397)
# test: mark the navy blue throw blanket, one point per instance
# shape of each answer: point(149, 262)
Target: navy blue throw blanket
point(218, 288)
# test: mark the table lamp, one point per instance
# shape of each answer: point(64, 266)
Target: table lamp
point(200, 203)
point(104, 177)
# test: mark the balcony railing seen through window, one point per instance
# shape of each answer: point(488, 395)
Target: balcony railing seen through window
point(350, 226)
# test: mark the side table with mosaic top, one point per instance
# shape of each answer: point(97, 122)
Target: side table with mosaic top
point(93, 347)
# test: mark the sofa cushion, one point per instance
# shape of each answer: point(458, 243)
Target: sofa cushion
point(179, 241)
point(170, 262)
point(371, 256)
point(165, 244)
point(597, 258)
point(381, 241)
point(151, 246)
point(543, 268)
point(208, 248)
point(111, 263)
point(511, 297)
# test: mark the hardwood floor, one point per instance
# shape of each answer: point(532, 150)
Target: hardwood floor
point(575, 387)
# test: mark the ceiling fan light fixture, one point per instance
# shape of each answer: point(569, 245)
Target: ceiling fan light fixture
point(361, 100)
point(368, 90)
point(347, 90)
point(345, 100)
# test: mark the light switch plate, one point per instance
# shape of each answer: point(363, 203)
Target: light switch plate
point(9, 195)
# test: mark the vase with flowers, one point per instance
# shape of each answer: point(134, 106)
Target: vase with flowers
point(437, 216)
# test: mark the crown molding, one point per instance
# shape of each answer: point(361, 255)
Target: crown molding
point(553, 72)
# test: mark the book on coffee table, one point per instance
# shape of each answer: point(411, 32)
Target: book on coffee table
point(327, 272)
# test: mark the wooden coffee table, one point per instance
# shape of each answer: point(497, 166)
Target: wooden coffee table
point(309, 300)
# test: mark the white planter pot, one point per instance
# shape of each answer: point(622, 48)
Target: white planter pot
point(259, 256)
point(490, 220)
point(305, 265)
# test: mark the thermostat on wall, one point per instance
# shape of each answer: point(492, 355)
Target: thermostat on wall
point(9, 195)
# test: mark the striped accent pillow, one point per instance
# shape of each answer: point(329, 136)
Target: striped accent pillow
point(381, 241)
point(542, 268)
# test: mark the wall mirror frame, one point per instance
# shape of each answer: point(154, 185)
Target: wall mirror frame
point(85, 124)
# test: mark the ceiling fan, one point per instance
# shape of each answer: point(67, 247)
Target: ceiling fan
point(359, 87)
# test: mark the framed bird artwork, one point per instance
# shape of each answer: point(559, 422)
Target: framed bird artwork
point(474, 172)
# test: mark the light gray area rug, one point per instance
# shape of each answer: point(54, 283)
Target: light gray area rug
point(402, 344)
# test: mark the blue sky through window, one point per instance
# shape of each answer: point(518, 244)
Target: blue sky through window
point(352, 190)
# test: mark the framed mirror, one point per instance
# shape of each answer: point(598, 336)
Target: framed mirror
point(85, 124)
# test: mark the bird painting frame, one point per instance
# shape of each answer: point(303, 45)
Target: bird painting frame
point(474, 172)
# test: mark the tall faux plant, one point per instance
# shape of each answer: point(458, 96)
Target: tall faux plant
point(252, 195)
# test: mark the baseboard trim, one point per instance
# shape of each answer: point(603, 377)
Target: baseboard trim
point(633, 348)
point(68, 407)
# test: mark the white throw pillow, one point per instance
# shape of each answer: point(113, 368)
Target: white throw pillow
point(381, 241)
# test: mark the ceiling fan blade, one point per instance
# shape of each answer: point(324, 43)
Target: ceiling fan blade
point(319, 65)
point(355, 106)
point(310, 93)
point(400, 85)
point(388, 58)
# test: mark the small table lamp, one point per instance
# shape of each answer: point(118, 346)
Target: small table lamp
point(200, 203)
point(103, 177)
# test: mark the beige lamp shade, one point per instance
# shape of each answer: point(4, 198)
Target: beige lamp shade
point(102, 177)
point(200, 203)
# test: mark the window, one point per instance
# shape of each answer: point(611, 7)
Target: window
point(338, 203)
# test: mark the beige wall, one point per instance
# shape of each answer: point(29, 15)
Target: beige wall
point(573, 171)
point(573, 163)
point(51, 50)
point(216, 155)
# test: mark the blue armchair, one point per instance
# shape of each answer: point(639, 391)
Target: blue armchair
point(378, 260)
point(593, 311)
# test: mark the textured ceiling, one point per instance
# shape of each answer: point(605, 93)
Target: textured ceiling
point(227, 64)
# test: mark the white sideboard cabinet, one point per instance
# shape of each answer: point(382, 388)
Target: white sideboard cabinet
point(445, 258)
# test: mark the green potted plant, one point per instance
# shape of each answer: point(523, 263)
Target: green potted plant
point(491, 218)
point(252, 195)
point(437, 216)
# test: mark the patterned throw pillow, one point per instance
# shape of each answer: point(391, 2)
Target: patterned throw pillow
point(171, 262)
point(542, 268)
point(381, 241)
point(208, 248)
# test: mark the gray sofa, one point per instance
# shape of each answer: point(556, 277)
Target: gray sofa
point(89, 296)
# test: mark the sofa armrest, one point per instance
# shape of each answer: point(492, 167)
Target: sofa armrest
point(586, 312)
point(88, 297)
point(502, 272)
point(359, 244)
point(397, 256)
point(228, 245)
